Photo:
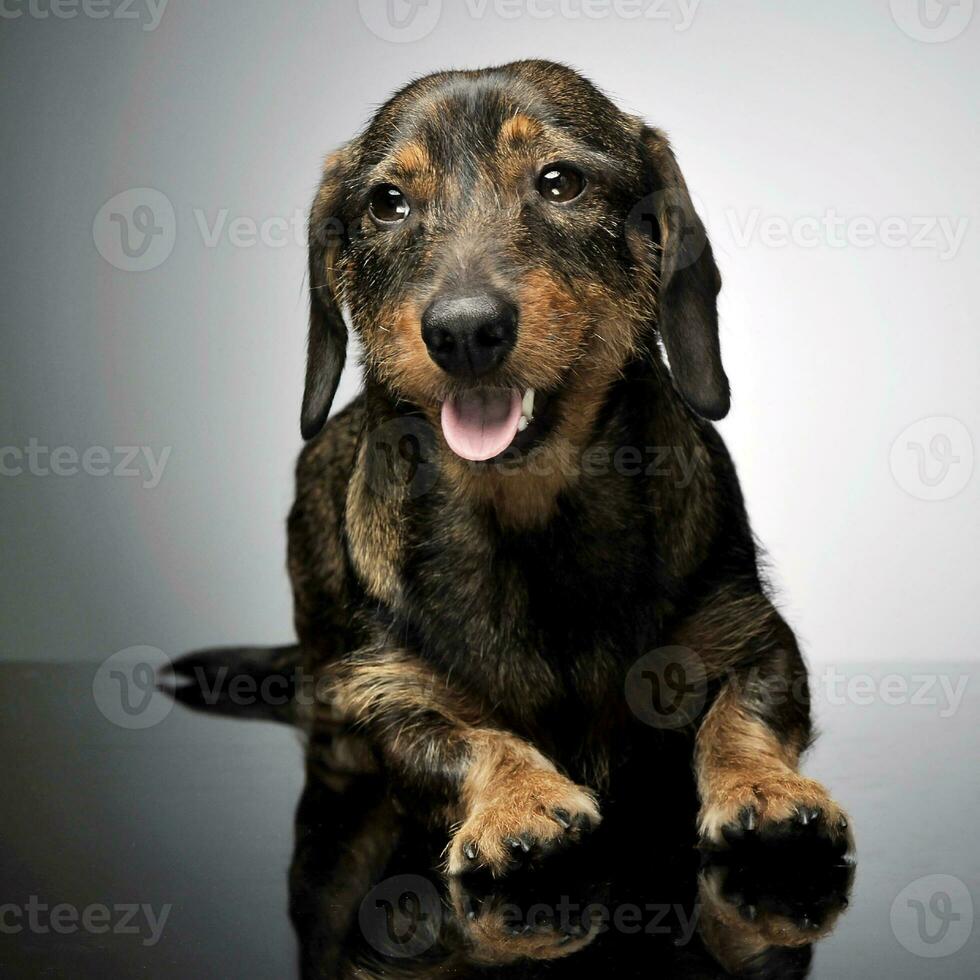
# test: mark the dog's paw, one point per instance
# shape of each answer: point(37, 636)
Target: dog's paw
point(774, 808)
point(521, 820)
point(501, 928)
point(759, 914)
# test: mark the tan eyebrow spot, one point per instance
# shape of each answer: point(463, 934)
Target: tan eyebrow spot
point(411, 167)
point(412, 158)
point(519, 128)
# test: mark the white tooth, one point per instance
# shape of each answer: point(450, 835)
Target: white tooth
point(522, 423)
point(527, 405)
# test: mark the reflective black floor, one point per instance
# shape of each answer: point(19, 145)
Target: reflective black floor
point(139, 838)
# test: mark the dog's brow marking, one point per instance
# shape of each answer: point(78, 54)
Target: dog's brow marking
point(409, 164)
point(519, 128)
point(412, 158)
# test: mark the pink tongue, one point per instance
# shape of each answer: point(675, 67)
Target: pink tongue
point(482, 423)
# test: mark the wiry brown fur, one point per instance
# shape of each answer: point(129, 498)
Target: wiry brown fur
point(477, 621)
point(746, 773)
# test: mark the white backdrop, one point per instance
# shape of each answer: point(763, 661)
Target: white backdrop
point(832, 149)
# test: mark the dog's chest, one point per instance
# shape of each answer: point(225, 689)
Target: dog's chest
point(536, 621)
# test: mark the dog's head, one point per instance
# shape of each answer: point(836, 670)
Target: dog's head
point(505, 241)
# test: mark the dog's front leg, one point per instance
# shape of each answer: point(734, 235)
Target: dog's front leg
point(503, 800)
point(749, 782)
point(750, 741)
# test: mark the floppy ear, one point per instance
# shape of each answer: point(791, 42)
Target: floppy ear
point(689, 283)
point(327, 344)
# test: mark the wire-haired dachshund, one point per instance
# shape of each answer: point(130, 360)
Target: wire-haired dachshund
point(524, 544)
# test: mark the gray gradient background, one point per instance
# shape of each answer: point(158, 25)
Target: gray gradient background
point(784, 109)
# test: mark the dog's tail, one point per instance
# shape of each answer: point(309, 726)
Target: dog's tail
point(243, 682)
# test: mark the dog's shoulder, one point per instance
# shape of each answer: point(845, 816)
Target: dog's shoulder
point(325, 463)
point(317, 566)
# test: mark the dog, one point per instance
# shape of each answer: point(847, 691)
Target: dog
point(527, 517)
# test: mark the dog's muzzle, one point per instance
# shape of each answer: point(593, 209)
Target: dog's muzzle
point(468, 335)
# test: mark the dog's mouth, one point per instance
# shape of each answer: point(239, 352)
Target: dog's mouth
point(481, 423)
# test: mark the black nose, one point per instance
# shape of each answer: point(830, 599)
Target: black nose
point(469, 335)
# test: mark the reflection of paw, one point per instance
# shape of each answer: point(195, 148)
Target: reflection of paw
point(520, 819)
point(501, 931)
point(779, 807)
point(751, 912)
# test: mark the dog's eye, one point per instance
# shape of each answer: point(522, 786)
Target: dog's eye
point(388, 205)
point(560, 183)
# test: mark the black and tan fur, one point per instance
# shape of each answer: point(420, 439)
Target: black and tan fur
point(477, 627)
